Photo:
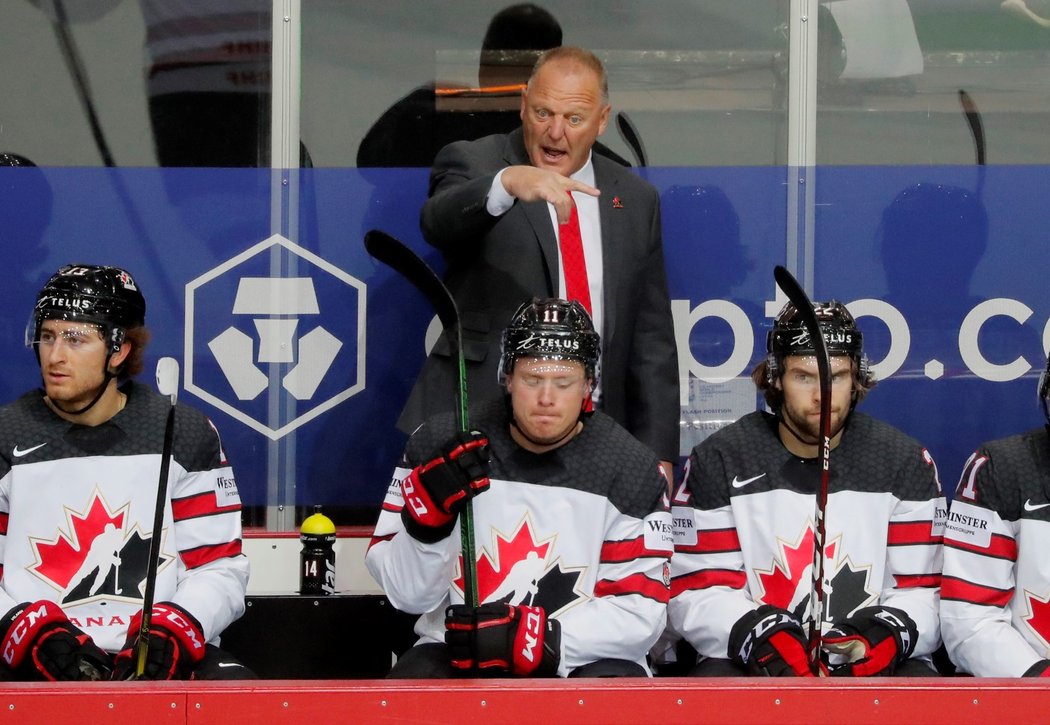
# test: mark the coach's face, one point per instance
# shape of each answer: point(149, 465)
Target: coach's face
point(562, 113)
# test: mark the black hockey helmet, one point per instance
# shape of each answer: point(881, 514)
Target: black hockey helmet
point(841, 337)
point(551, 329)
point(99, 295)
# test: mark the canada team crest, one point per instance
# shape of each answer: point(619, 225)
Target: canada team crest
point(788, 581)
point(95, 556)
point(521, 568)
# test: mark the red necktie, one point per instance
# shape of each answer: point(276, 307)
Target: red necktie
point(573, 263)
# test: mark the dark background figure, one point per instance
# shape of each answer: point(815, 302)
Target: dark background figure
point(26, 200)
point(933, 237)
point(415, 128)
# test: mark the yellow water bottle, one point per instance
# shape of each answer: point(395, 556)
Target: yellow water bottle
point(317, 558)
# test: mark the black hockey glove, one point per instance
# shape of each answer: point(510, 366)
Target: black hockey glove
point(500, 637)
point(871, 642)
point(40, 643)
point(176, 645)
point(1039, 669)
point(436, 491)
point(770, 641)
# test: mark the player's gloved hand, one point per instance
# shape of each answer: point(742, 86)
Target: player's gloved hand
point(176, 645)
point(40, 643)
point(874, 641)
point(436, 491)
point(500, 637)
point(770, 641)
point(1039, 669)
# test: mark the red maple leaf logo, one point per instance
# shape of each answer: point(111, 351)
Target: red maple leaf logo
point(1039, 615)
point(518, 562)
point(780, 582)
point(58, 560)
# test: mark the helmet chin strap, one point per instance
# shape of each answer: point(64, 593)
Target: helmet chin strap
point(89, 406)
point(107, 375)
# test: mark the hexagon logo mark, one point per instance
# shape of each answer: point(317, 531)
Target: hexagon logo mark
point(275, 336)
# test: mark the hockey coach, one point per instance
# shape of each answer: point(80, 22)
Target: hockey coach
point(742, 579)
point(79, 465)
point(570, 513)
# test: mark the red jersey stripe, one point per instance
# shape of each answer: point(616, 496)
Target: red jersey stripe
point(718, 541)
point(633, 584)
point(202, 504)
point(910, 533)
point(707, 578)
point(964, 591)
point(1000, 547)
point(909, 581)
point(202, 555)
point(3, 523)
point(376, 539)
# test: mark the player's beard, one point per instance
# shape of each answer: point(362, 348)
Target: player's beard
point(806, 427)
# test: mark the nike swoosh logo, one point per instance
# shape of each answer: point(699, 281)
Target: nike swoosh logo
point(229, 664)
point(1028, 506)
point(19, 453)
point(740, 484)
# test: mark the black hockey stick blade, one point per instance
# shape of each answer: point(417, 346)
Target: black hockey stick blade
point(973, 119)
point(396, 255)
point(393, 253)
point(807, 315)
point(630, 136)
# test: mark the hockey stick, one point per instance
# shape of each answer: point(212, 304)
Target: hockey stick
point(973, 118)
point(808, 317)
point(629, 134)
point(403, 260)
point(167, 384)
point(80, 83)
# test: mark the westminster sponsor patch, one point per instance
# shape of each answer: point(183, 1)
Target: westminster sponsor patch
point(684, 526)
point(226, 491)
point(659, 531)
point(969, 524)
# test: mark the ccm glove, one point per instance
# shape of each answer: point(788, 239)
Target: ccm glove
point(503, 638)
point(40, 643)
point(436, 491)
point(770, 641)
point(871, 642)
point(176, 645)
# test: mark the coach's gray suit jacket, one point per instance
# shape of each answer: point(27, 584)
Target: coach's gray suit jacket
point(496, 263)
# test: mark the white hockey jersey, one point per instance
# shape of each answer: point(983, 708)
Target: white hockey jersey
point(582, 531)
point(744, 520)
point(995, 615)
point(76, 515)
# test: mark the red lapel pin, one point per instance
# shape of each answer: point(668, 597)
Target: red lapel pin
point(617, 204)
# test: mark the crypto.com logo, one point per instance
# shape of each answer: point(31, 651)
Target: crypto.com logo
point(275, 336)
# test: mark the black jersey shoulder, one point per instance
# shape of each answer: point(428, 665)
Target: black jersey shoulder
point(875, 457)
point(603, 459)
point(1016, 472)
point(29, 425)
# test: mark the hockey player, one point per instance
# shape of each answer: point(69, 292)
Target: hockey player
point(79, 462)
point(996, 586)
point(571, 521)
point(742, 569)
